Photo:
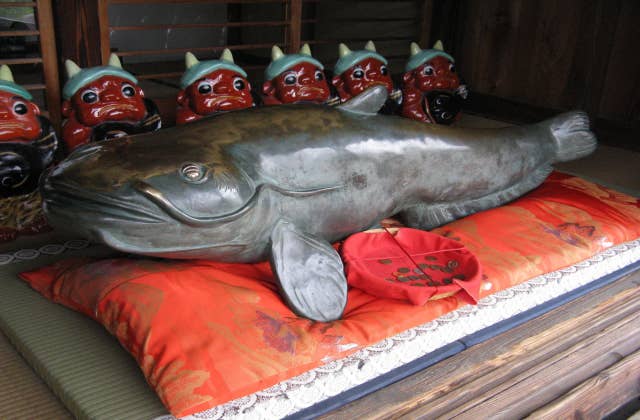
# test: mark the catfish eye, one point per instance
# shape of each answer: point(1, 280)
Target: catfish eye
point(89, 96)
point(452, 68)
point(358, 73)
point(319, 75)
point(428, 71)
point(238, 84)
point(128, 90)
point(20, 108)
point(290, 79)
point(204, 87)
point(193, 172)
point(383, 70)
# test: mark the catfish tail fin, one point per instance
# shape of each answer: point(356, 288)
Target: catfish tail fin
point(573, 137)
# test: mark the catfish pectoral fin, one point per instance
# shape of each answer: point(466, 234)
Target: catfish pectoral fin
point(309, 272)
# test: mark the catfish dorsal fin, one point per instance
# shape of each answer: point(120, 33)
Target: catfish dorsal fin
point(368, 102)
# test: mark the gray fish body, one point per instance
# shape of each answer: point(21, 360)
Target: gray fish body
point(312, 172)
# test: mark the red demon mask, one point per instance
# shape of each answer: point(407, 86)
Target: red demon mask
point(302, 82)
point(107, 99)
point(18, 118)
point(439, 73)
point(221, 90)
point(361, 76)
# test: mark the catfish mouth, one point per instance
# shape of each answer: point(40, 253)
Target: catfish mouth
point(72, 202)
point(157, 197)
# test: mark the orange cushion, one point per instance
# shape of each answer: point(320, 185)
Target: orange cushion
point(205, 333)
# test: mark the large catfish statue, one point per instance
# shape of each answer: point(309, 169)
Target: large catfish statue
point(283, 183)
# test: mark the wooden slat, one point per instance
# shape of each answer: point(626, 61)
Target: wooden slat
point(184, 50)
point(367, 38)
point(193, 1)
point(159, 75)
point(18, 4)
point(49, 60)
point(477, 370)
point(177, 74)
point(558, 372)
point(348, 20)
point(198, 25)
point(6, 34)
point(26, 60)
point(620, 384)
point(34, 86)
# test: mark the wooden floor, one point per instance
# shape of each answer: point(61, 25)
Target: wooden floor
point(581, 360)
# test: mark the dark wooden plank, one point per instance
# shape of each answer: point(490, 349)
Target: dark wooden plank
point(102, 13)
point(17, 4)
point(426, 20)
point(439, 387)
point(551, 40)
point(6, 34)
point(591, 54)
point(620, 94)
point(49, 61)
point(34, 86)
point(78, 32)
point(194, 1)
point(199, 25)
point(507, 110)
point(600, 395)
point(620, 134)
point(13, 61)
point(193, 49)
point(540, 383)
point(293, 33)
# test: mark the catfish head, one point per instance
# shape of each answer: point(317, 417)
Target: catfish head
point(152, 196)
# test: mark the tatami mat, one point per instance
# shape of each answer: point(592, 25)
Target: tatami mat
point(22, 394)
point(91, 385)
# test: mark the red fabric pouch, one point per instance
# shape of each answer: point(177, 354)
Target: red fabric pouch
point(411, 264)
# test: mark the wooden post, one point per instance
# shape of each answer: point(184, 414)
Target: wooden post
point(49, 60)
point(103, 22)
point(295, 25)
point(426, 16)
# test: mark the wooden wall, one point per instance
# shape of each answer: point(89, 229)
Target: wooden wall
point(522, 59)
point(548, 54)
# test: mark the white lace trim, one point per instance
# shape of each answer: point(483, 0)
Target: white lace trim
point(319, 384)
point(49, 249)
